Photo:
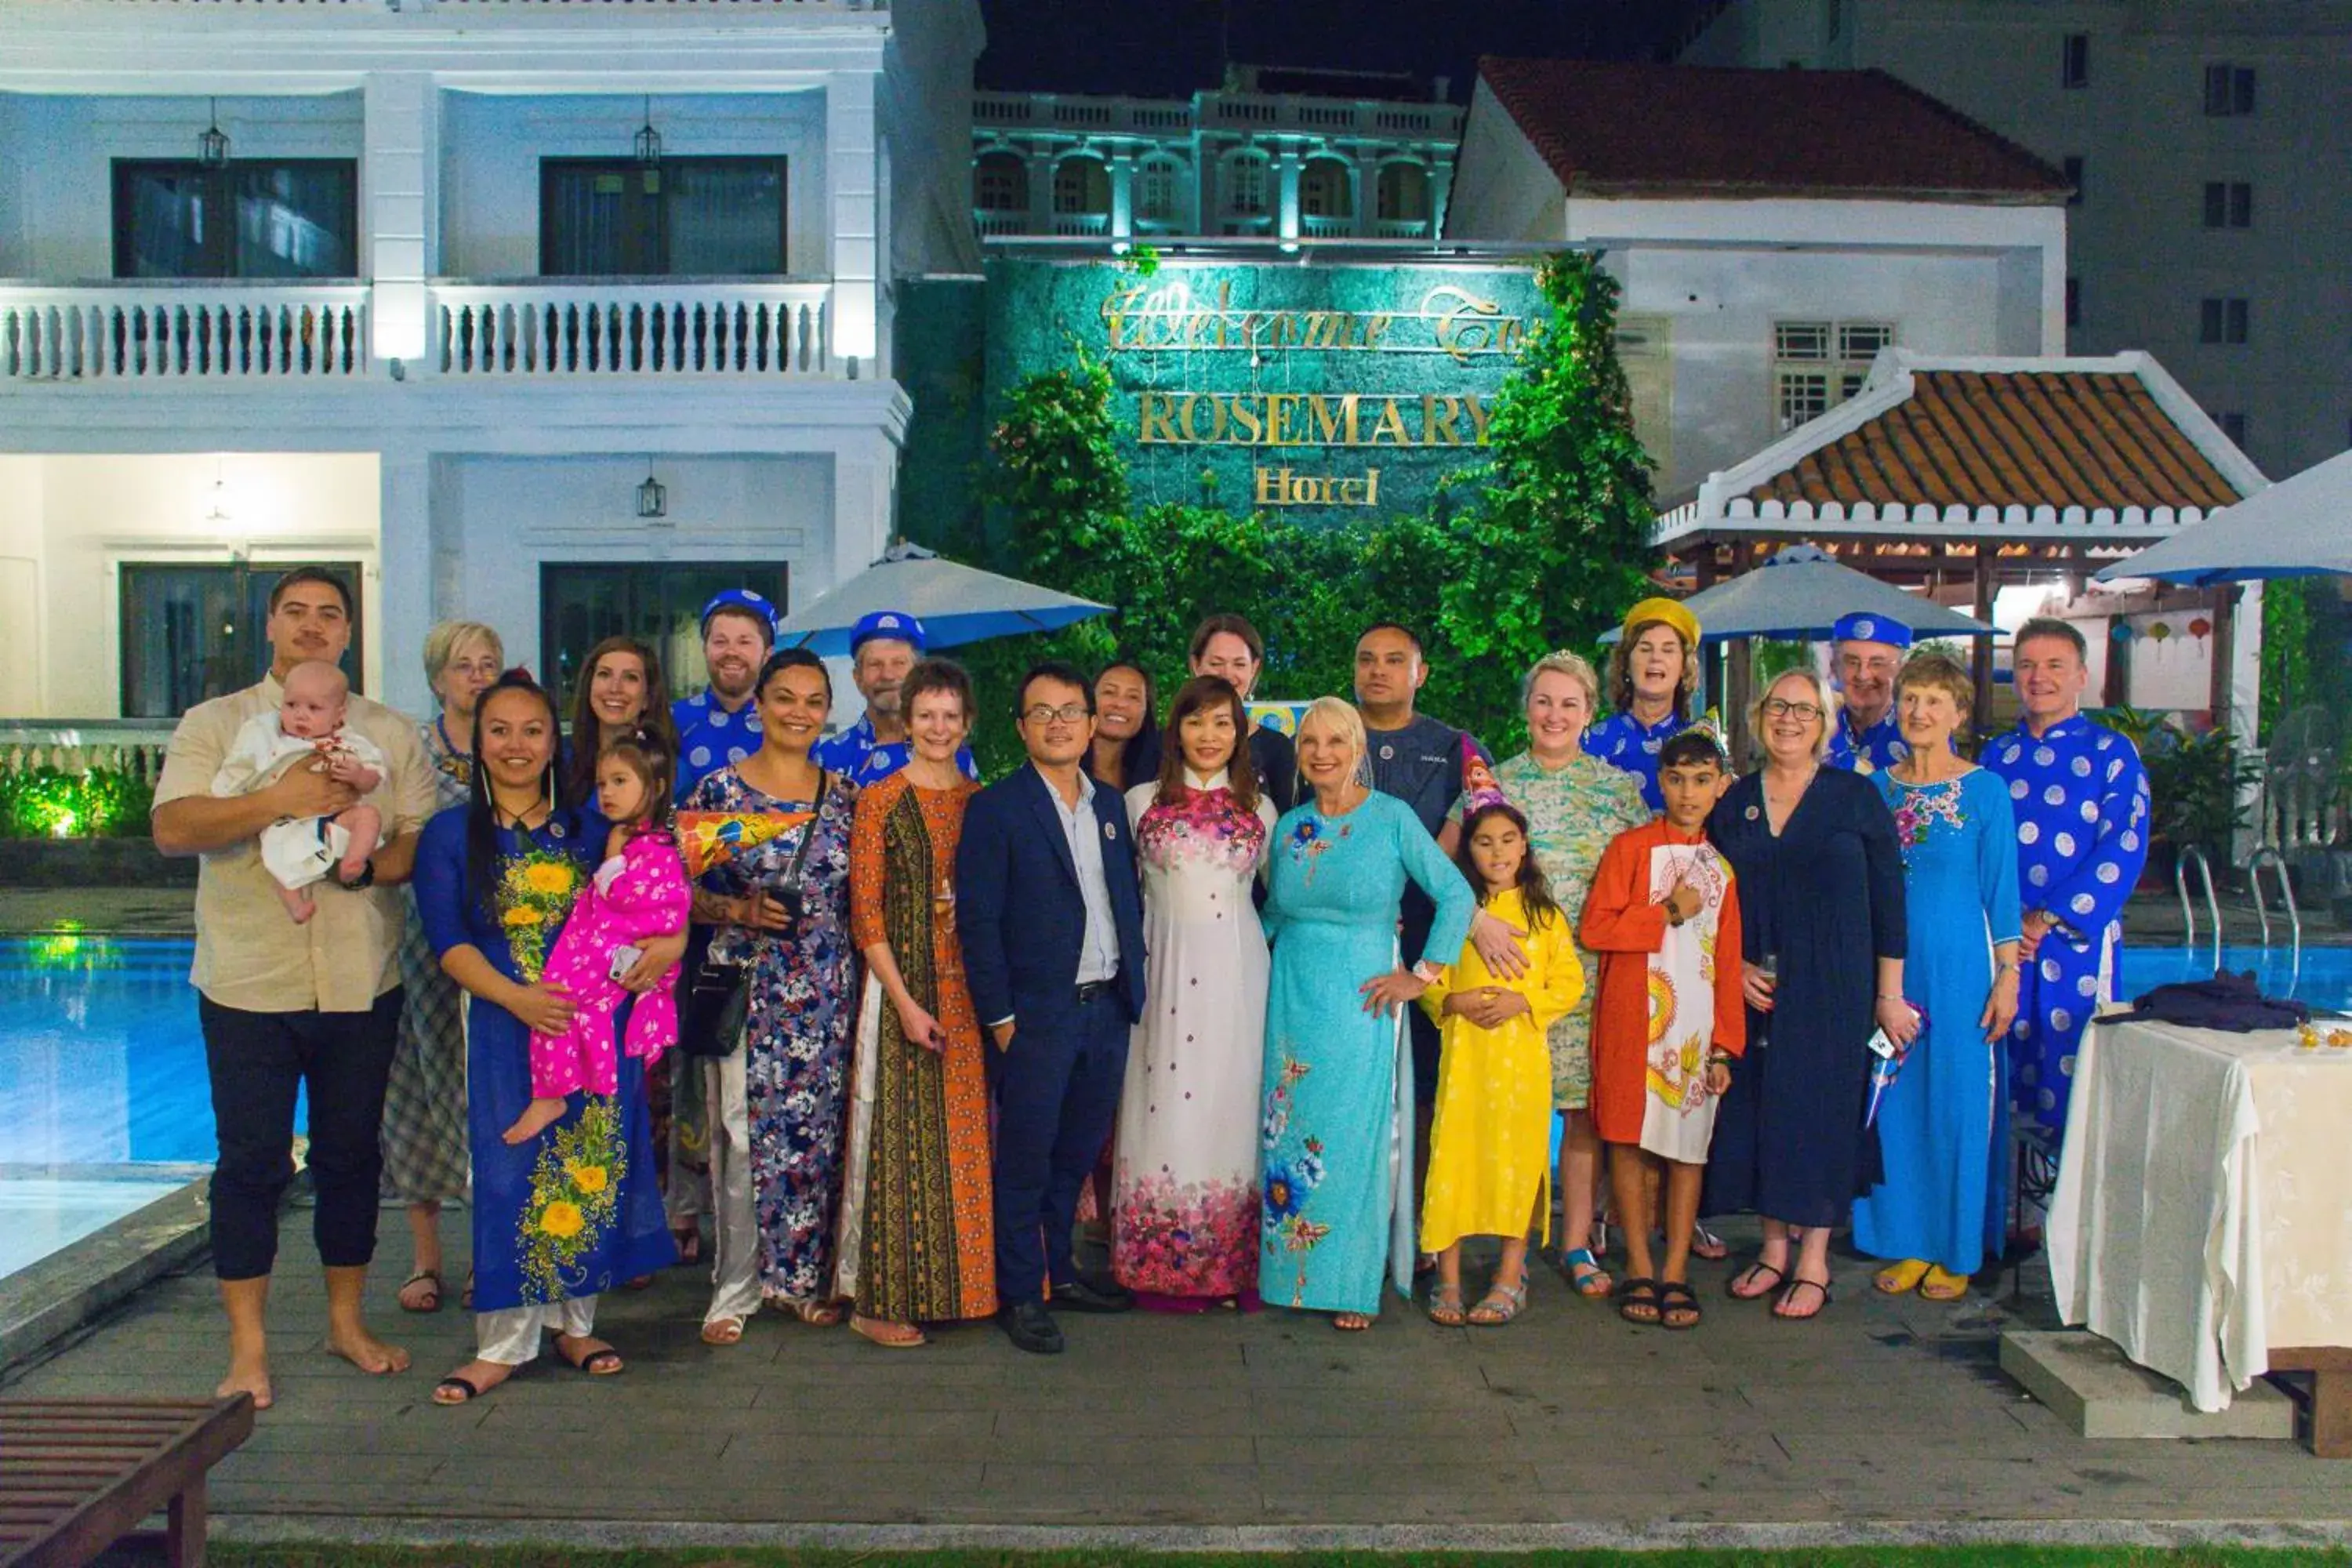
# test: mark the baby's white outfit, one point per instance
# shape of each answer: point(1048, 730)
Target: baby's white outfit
point(297, 851)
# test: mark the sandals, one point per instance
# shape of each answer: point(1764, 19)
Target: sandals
point(458, 1386)
point(1752, 1277)
point(603, 1362)
point(723, 1331)
point(427, 1300)
point(889, 1335)
point(1354, 1322)
point(816, 1314)
point(1502, 1303)
point(1445, 1306)
point(1678, 1305)
point(1638, 1300)
point(1942, 1285)
point(1585, 1275)
point(1781, 1306)
point(1706, 1244)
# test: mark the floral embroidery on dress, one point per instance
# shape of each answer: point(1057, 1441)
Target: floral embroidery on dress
point(1921, 808)
point(1309, 841)
point(1191, 1239)
point(1207, 823)
point(574, 1191)
point(1291, 1177)
point(535, 892)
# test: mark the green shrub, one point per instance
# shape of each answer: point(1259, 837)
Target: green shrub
point(45, 803)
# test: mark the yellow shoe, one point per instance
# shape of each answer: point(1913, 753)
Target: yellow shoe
point(1903, 1278)
point(1942, 1286)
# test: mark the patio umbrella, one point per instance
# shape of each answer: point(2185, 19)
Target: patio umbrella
point(2300, 526)
point(1801, 593)
point(956, 604)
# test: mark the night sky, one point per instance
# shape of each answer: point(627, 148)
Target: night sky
point(1174, 47)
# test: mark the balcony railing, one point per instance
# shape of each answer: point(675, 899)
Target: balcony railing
point(632, 327)
point(216, 329)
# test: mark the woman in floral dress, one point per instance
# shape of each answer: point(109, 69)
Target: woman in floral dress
point(1574, 804)
point(1185, 1196)
point(564, 1216)
point(423, 1136)
point(776, 1103)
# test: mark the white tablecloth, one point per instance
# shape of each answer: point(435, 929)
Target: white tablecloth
point(2204, 1206)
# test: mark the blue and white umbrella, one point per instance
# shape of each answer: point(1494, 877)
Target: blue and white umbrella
point(1802, 593)
point(2300, 526)
point(956, 604)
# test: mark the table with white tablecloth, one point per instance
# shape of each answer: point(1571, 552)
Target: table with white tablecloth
point(2202, 1219)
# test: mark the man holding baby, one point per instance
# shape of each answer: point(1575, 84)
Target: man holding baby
point(297, 960)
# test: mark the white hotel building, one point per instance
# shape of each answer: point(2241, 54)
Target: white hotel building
point(554, 315)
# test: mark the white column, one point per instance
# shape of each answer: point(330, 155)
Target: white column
point(864, 502)
point(1287, 204)
point(399, 178)
point(1041, 191)
point(404, 563)
point(853, 195)
point(1441, 186)
point(1122, 195)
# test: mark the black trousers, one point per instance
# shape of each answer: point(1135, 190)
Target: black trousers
point(258, 1061)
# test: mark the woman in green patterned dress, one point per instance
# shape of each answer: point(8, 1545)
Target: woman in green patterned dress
point(423, 1134)
point(1574, 804)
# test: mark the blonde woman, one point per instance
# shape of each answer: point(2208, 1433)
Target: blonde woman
point(1574, 804)
point(423, 1136)
point(1336, 1132)
point(1822, 922)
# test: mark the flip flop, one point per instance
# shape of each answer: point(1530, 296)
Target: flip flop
point(431, 1298)
point(1749, 1276)
point(1789, 1294)
point(465, 1391)
point(1706, 1244)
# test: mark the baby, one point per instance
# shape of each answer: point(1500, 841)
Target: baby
point(308, 723)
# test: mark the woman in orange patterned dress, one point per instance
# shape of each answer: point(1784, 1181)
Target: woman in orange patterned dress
point(917, 1243)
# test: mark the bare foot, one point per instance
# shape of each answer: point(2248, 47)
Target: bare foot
point(253, 1380)
point(536, 1118)
point(475, 1377)
point(367, 1352)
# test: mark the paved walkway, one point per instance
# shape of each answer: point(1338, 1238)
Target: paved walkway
point(1884, 1414)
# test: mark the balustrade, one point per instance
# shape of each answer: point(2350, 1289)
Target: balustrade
point(634, 328)
point(214, 329)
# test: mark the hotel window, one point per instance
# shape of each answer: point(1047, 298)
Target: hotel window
point(2074, 301)
point(252, 219)
point(1245, 185)
point(1324, 190)
point(1403, 193)
point(2228, 204)
point(2234, 426)
point(2229, 89)
point(1081, 186)
point(1160, 191)
point(581, 605)
point(689, 218)
point(1816, 365)
point(2074, 60)
point(2221, 321)
point(1000, 182)
point(2074, 167)
point(194, 631)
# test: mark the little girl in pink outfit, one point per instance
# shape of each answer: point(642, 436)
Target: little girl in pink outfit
point(640, 891)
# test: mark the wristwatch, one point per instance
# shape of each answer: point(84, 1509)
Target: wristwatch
point(1428, 974)
point(360, 883)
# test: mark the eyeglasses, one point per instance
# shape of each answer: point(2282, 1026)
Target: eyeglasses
point(1068, 713)
point(1781, 708)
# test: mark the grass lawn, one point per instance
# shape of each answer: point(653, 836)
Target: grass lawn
point(233, 1554)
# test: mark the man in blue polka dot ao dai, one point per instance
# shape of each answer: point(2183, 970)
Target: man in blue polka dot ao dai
point(2082, 802)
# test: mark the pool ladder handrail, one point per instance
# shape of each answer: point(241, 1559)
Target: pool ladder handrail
point(2192, 854)
point(2268, 855)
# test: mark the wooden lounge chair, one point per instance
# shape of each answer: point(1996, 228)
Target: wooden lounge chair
point(77, 1476)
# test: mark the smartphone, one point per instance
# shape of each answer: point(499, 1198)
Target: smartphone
point(625, 958)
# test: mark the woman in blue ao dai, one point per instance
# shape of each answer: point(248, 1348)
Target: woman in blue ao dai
point(1336, 1131)
point(1943, 1123)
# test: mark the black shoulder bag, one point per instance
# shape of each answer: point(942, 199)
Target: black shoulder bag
point(712, 1012)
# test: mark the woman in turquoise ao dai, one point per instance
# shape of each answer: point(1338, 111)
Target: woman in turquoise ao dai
point(1338, 1125)
point(1943, 1123)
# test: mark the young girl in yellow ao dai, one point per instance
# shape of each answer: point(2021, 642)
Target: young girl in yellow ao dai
point(1490, 1144)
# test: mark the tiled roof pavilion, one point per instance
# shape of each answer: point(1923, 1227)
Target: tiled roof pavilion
point(2075, 455)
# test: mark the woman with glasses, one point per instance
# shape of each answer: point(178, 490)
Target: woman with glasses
point(1822, 916)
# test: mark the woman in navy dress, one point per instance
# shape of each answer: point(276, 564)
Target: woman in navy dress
point(562, 1217)
point(1820, 891)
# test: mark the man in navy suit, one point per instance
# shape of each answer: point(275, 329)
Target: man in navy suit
point(1051, 912)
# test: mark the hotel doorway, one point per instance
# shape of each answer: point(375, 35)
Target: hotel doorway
point(659, 603)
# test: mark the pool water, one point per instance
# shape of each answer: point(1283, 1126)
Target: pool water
point(2323, 980)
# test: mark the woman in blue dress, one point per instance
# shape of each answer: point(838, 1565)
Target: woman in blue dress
point(1821, 892)
point(1338, 1125)
point(565, 1215)
point(1653, 685)
point(1943, 1123)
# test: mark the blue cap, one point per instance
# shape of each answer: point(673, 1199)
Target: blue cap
point(755, 604)
point(896, 624)
point(1871, 629)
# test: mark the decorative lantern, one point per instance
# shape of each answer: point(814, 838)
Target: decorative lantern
point(653, 500)
point(2159, 630)
point(212, 146)
point(2121, 631)
point(2200, 627)
point(648, 143)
